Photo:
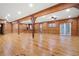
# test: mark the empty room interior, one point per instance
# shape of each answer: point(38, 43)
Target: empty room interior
point(39, 29)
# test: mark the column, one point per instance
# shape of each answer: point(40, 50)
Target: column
point(11, 27)
point(33, 25)
point(18, 27)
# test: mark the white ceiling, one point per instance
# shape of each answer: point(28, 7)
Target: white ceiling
point(10, 11)
point(64, 14)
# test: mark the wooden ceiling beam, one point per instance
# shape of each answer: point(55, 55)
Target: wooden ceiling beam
point(77, 6)
point(52, 9)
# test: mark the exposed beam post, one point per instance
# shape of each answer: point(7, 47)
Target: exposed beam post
point(11, 27)
point(78, 26)
point(28, 26)
point(33, 25)
point(18, 27)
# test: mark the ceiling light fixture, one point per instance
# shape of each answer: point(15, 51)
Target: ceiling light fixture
point(19, 12)
point(31, 5)
point(6, 18)
point(69, 16)
point(8, 15)
point(67, 10)
point(54, 17)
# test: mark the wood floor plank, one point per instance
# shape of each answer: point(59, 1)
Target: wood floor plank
point(42, 44)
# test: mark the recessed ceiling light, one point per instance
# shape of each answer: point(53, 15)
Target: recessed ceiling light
point(6, 18)
point(69, 16)
point(52, 19)
point(8, 15)
point(19, 12)
point(67, 10)
point(31, 5)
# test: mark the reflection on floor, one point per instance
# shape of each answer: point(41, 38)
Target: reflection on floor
point(43, 44)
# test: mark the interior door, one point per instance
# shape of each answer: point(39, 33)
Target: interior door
point(62, 29)
point(65, 29)
point(68, 28)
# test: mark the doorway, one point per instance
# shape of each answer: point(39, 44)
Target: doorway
point(1, 28)
point(65, 29)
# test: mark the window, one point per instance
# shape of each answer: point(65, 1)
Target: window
point(52, 25)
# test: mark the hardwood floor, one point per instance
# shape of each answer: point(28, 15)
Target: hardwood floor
point(23, 44)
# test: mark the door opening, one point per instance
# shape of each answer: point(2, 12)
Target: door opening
point(65, 29)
